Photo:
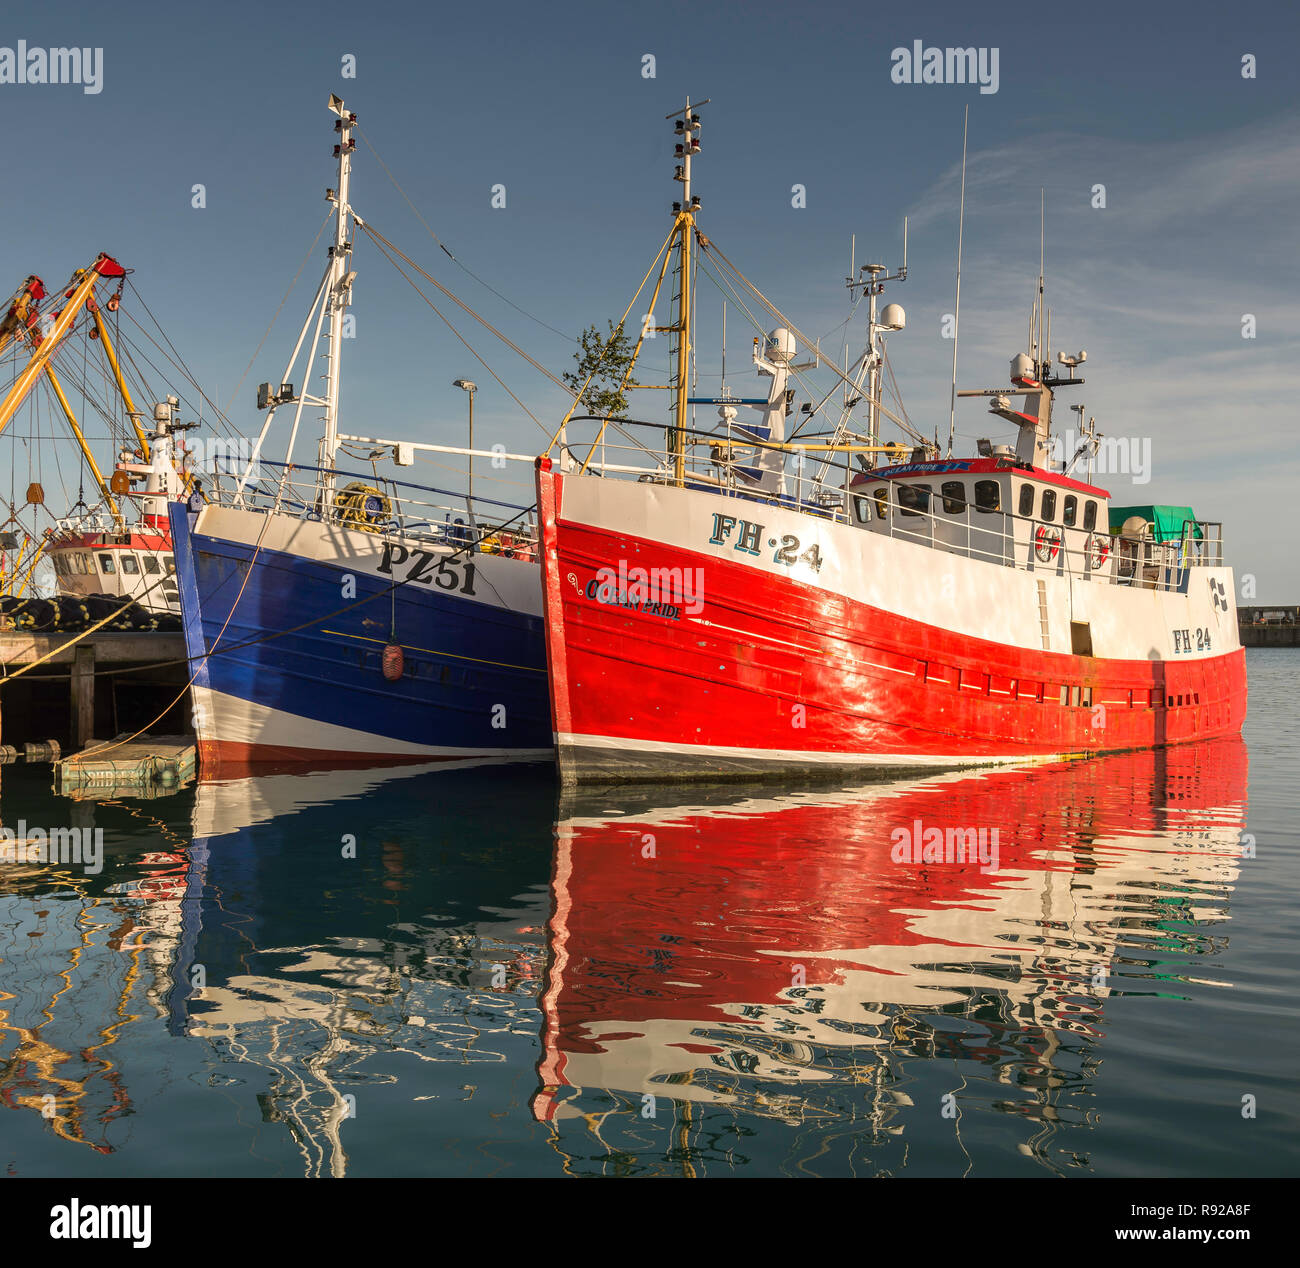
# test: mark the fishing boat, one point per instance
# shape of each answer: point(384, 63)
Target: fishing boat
point(743, 602)
point(119, 547)
point(336, 617)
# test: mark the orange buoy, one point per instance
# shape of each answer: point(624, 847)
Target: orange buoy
point(393, 662)
point(120, 483)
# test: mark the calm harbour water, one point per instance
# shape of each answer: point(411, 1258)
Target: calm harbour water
point(670, 982)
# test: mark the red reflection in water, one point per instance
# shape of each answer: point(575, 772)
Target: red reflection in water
point(671, 922)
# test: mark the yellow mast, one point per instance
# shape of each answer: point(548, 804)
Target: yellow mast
point(27, 299)
point(81, 440)
point(49, 345)
point(688, 128)
point(131, 412)
point(681, 376)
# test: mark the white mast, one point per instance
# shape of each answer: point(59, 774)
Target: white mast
point(338, 292)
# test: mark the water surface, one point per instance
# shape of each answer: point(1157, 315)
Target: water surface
point(452, 972)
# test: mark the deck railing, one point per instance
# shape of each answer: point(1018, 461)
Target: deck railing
point(501, 520)
point(820, 484)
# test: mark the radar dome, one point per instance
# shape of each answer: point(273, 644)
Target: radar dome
point(1022, 367)
point(893, 318)
point(780, 345)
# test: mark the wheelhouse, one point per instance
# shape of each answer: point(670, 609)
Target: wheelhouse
point(991, 509)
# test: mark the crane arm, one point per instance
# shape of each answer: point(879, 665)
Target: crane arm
point(78, 297)
point(24, 309)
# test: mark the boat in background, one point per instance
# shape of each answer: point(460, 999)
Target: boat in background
point(120, 547)
point(711, 615)
point(343, 617)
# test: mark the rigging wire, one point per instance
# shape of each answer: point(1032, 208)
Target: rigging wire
point(459, 336)
point(794, 330)
point(446, 250)
point(379, 238)
point(329, 215)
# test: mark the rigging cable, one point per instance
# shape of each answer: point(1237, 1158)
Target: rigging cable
point(459, 264)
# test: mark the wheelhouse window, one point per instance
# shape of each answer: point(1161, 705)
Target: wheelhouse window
point(1070, 511)
point(1026, 500)
point(170, 565)
point(1090, 515)
point(988, 495)
point(151, 564)
point(954, 497)
point(914, 499)
point(881, 498)
point(130, 565)
point(1049, 506)
point(106, 563)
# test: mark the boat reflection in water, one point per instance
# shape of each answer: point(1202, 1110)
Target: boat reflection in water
point(397, 951)
point(85, 963)
point(787, 955)
point(665, 982)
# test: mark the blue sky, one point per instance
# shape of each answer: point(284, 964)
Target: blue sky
point(1201, 168)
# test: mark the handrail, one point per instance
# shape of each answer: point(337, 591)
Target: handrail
point(405, 510)
point(1137, 562)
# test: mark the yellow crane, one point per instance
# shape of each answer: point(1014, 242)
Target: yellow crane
point(21, 324)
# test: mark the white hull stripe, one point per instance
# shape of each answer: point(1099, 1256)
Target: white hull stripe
point(224, 719)
point(899, 760)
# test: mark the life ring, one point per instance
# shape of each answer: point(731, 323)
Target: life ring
point(1047, 542)
point(1098, 550)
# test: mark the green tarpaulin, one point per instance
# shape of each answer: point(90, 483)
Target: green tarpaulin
point(1167, 521)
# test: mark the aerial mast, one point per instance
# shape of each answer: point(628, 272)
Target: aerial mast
point(687, 127)
point(956, 311)
point(338, 289)
point(878, 323)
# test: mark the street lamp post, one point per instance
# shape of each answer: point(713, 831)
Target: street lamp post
point(470, 387)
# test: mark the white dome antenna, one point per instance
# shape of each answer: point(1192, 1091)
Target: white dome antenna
point(780, 346)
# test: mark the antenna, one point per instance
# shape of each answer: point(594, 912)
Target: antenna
point(956, 315)
point(1042, 252)
point(724, 348)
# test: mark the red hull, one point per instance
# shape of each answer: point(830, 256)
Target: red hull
point(779, 676)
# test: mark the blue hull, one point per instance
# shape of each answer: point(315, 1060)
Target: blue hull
point(292, 639)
